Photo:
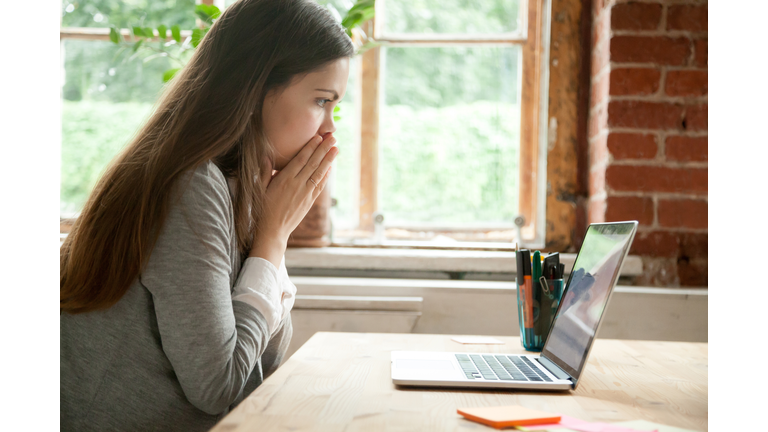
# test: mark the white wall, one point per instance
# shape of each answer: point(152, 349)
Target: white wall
point(479, 308)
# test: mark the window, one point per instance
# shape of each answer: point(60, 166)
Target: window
point(439, 130)
point(451, 142)
point(107, 91)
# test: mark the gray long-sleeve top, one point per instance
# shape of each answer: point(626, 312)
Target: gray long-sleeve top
point(176, 353)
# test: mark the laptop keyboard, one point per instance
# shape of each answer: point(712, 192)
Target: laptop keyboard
point(500, 367)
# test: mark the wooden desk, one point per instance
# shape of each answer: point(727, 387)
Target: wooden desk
point(341, 382)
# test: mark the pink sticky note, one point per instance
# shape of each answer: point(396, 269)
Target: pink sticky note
point(585, 426)
point(614, 428)
point(582, 426)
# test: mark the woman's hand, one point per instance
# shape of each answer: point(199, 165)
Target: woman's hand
point(290, 194)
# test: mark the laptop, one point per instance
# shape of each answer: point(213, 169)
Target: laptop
point(564, 356)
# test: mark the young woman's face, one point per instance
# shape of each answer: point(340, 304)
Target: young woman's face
point(295, 114)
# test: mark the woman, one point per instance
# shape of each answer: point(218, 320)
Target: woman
point(165, 324)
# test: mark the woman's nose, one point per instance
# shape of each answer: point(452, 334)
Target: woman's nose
point(328, 125)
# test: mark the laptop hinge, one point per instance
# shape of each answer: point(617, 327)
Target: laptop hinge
point(550, 366)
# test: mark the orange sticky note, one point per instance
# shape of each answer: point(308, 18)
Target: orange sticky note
point(507, 416)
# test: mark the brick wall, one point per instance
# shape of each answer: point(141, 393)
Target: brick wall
point(647, 132)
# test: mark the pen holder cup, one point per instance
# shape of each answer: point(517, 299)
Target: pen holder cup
point(535, 320)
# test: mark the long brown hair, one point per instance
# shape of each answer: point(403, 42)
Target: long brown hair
point(212, 110)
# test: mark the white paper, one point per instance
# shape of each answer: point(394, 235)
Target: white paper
point(477, 340)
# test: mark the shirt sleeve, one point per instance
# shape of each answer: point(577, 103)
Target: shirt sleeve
point(268, 289)
point(288, 289)
point(212, 342)
point(259, 286)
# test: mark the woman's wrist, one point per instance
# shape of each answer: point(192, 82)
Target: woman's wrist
point(271, 249)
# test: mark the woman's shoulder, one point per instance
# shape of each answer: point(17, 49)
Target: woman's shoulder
point(205, 180)
point(204, 192)
point(208, 173)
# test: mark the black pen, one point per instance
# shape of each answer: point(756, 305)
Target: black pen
point(552, 261)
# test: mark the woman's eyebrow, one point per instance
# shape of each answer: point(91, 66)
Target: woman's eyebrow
point(335, 95)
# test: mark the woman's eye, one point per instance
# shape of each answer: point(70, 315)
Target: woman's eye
point(322, 102)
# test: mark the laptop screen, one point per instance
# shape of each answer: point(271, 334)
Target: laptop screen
point(593, 277)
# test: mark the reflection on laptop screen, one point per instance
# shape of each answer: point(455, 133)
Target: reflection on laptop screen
point(587, 293)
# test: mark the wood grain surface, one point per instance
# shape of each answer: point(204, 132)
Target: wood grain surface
point(341, 382)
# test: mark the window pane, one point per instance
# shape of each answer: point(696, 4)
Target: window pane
point(128, 13)
point(106, 98)
point(452, 16)
point(449, 136)
point(345, 183)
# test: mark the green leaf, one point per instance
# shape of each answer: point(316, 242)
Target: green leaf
point(138, 32)
point(148, 32)
point(214, 11)
point(362, 5)
point(137, 45)
point(118, 53)
point(176, 33)
point(336, 109)
point(336, 118)
point(114, 36)
point(204, 17)
point(207, 13)
point(162, 32)
point(167, 75)
point(197, 36)
point(363, 10)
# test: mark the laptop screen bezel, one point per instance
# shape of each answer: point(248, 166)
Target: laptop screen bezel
point(574, 373)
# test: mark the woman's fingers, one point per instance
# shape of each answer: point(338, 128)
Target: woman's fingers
point(295, 165)
point(322, 183)
point(321, 172)
point(266, 174)
point(317, 158)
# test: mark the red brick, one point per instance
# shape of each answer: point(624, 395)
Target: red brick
point(596, 210)
point(686, 149)
point(645, 115)
point(599, 5)
point(644, 178)
point(687, 17)
point(683, 213)
point(601, 57)
point(598, 151)
point(696, 117)
point(693, 245)
point(693, 273)
point(662, 50)
point(632, 146)
point(599, 90)
point(629, 208)
point(701, 48)
point(601, 29)
point(636, 16)
point(598, 121)
point(634, 81)
point(655, 244)
point(596, 181)
point(686, 83)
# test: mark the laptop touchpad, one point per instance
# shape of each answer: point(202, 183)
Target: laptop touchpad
point(424, 364)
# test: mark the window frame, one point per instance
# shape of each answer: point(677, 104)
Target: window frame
point(533, 37)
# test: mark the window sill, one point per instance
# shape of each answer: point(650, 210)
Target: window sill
point(422, 260)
